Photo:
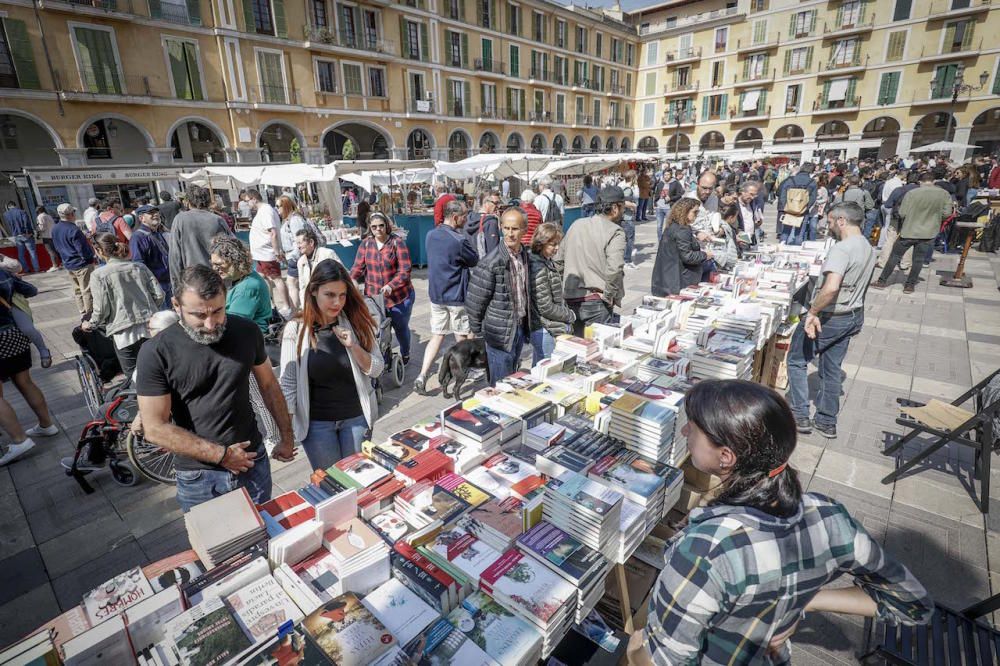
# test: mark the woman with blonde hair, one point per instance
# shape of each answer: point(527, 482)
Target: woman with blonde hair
point(329, 356)
point(679, 258)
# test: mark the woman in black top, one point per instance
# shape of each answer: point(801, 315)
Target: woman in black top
point(679, 258)
point(328, 359)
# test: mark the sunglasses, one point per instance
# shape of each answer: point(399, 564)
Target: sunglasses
point(376, 226)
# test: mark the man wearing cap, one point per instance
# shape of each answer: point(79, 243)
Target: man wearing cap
point(89, 224)
point(77, 256)
point(149, 247)
point(593, 260)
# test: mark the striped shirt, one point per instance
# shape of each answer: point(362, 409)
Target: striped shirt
point(736, 576)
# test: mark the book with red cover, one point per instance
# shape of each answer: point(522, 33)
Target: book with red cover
point(436, 572)
point(384, 489)
point(427, 465)
point(289, 509)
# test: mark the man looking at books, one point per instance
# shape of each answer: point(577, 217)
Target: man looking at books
point(194, 395)
point(836, 315)
point(593, 259)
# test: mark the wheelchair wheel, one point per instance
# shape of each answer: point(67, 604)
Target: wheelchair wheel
point(123, 474)
point(153, 462)
point(398, 369)
point(90, 384)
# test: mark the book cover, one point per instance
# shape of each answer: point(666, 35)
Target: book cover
point(288, 509)
point(508, 469)
point(454, 649)
point(464, 490)
point(586, 493)
point(362, 471)
point(147, 619)
point(631, 476)
point(115, 595)
point(390, 526)
point(465, 421)
point(528, 586)
point(421, 583)
point(289, 649)
point(411, 438)
point(562, 551)
point(261, 607)
point(207, 634)
point(400, 610)
point(502, 516)
point(501, 634)
point(179, 569)
point(470, 555)
point(348, 633)
point(390, 452)
point(350, 539)
point(70, 624)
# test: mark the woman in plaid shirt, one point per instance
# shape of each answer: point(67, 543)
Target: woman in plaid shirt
point(383, 265)
point(739, 576)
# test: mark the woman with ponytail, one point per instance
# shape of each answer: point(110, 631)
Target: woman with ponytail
point(329, 357)
point(743, 571)
point(126, 294)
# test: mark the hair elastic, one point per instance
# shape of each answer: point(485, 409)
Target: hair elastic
point(777, 470)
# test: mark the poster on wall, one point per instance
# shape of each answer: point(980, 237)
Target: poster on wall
point(95, 140)
point(53, 196)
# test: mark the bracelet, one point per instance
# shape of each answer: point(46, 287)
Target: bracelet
point(225, 452)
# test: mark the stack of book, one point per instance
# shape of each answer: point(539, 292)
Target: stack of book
point(442, 643)
point(261, 608)
point(581, 566)
point(402, 611)
point(563, 399)
point(223, 526)
point(413, 438)
point(640, 480)
point(460, 554)
point(631, 530)
point(652, 368)
point(464, 489)
point(471, 429)
point(428, 465)
point(559, 459)
point(389, 453)
point(496, 522)
point(648, 428)
point(464, 457)
point(586, 510)
point(515, 473)
point(357, 471)
point(390, 526)
point(520, 403)
point(502, 635)
point(723, 357)
point(205, 633)
point(530, 590)
point(544, 435)
point(378, 497)
point(582, 348)
point(426, 579)
point(348, 634)
point(424, 504)
point(361, 557)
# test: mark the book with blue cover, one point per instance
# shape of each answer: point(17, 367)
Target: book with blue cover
point(562, 553)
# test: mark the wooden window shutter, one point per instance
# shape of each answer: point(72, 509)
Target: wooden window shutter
point(725, 106)
point(155, 10)
point(194, 12)
point(22, 54)
point(788, 61)
point(826, 92)
point(423, 43)
point(465, 50)
point(248, 16)
point(450, 88)
point(970, 27)
point(280, 24)
point(851, 88)
point(809, 58)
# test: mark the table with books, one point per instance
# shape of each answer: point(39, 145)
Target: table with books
point(525, 523)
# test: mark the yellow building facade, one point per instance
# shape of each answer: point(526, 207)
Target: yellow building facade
point(88, 87)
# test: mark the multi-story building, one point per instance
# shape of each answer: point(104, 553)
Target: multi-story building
point(817, 77)
point(87, 86)
point(101, 83)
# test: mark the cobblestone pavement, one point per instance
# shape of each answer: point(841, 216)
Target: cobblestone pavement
point(57, 542)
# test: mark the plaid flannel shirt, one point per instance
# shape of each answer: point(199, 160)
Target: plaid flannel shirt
point(735, 577)
point(388, 266)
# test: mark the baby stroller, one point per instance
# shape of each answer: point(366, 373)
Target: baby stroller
point(383, 334)
point(107, 439)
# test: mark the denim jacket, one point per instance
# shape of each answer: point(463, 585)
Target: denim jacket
point(11, 284)
point(125, 294)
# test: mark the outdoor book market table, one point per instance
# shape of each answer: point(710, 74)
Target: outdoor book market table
point(485, 534)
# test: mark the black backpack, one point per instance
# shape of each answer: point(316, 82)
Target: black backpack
point(105, 227)
point(552, 213)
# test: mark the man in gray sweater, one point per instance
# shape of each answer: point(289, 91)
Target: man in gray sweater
point(192, 232)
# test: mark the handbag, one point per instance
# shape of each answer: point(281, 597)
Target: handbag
point(12, 341)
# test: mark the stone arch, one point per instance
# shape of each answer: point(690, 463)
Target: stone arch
point(578, 144)
point(275, 140)
point(932, 128)
point(624, 145)
point(419, 143)
point(57, 141)
point(538, 143)
point(195, 139)
point(833, 129)
point(749, 137)
point(609, 146)
point(515, 143)
point(648, 144)
point(558, 144)
point(595, 144)
point(150, 142)
point(371, 140)
point(986, 131)
point(489, 142)
point(678, 143)
point(885, 128)
point(789, 134)
point(26, 142)
point(712, 140)
point(459, 144)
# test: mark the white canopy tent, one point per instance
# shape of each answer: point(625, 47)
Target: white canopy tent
point(520, 165)
point(371, 179)
point(579, 166)
point(943, 147)
point(329, 187)
point(224, 176)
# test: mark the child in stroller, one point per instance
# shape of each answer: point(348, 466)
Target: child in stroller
point(383, 331)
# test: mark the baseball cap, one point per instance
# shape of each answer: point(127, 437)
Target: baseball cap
point(611, 194)
point(65, 209)
point(146, 210)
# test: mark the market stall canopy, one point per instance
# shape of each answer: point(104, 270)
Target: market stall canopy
point(521, 165)
point(943, 147)
point(220, 175)
point(340, 167)
point(370, 179)
point(579, 166)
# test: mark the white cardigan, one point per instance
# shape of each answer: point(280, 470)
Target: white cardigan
point(295, 377)
point(305, 266)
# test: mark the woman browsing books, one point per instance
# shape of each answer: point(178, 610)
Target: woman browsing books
point(739, 577)
point(327, 366)
point(679, 258)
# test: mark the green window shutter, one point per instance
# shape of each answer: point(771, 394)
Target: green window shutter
point(809, 58)
point(510, 104)
point(970, 28)
point(767, 64)
point(746, 69)
point(97, 61)
point(826, 92)
point(851, 87)
point(423, 43)
point(996, 83)
point(812, 20)
point(759, 32)
point(840, 16)
point(22, 54)
point(739, 108)
point(883, 87)
point(191, 57)
point(673, 81)
point(154, 9)
point(861, 13)
point(465, 50)
point(762, 103)
point(178, 69)
point(791, 26)
point(450, 89)
point(194, 12)
point(897, 44)
point(949, 36)
point(725, 106)
point(466, 98)
point(479, 12)
point(280, 24)
point(704, 108)
point(248, 15)
point(520, 106)
point(788, 60)
point(403, 49)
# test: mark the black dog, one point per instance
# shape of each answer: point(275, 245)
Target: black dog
point(458, 361)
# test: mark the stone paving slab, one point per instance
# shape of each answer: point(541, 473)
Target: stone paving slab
point(56, 542)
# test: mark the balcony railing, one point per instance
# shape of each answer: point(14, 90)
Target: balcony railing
point(829, 105)
point(514, 113)
point(539, 74)
point(580, 82)
point(843, 30)
point(736, 113)
point(683, 55)
point(837, 66)
point(696, 20)
point(422, 106)
point(687, 86)
point(616, 89)
point(769, 42)
point(490, 65)
point(617, 123)
point(941, 9)
point(560, 78)
point(540, 116)
point(584, 119)
point(754, 77)
point(965, 50)
point(457, 109)
point(349, 40)
point(684, 117)
point(279, 95)
point(490, 113)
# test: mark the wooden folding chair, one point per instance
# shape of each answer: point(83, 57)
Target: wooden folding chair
point(951, 423)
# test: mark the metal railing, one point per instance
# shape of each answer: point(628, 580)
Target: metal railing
point(680, 87)
point(616, 89)
point(514, 113)
point(950, 49)
point(755, 76)
point(685, 117)
point(490, 65)
point(581, 82)
point(684, 54)
point(491, 113)
point(457, 109)
point(584, 119)
point(349, 40)
point(703, 17)
point(942, 8)
point(833, 65)
point(274, 94)
point(864, 24)
point(111, 82)
point(853, 103)
point(759, 112)
point(540, 116)
point(618, 123)
point(769, 41)
point(540, 74)
point(421, 106)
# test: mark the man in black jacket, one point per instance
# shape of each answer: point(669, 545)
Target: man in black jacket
point(497, 301)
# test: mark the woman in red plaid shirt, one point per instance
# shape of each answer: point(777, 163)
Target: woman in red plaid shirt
point(383, 265)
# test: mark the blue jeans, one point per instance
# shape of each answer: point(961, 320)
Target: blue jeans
point(590, 312)
point(26, 242)
point(400, 316)
point(501, 362)
point(707, 268)
point(641, 209)
point(831, 348)
point(661, 219)
point(542, 345)
point(795, 236)
point(329, 441)
point(628, 225)
point(871, 219)
point(197, 486)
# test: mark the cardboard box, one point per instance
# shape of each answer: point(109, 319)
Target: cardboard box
point(775, 371)
point(690, 498)
point(697, 479)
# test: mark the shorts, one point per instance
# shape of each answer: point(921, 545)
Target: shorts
point(447, 319)
point(269, 269)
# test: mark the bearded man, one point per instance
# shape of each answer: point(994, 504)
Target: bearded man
point(194, 395)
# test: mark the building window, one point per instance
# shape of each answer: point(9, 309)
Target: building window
point(845, 52)
point(650, 83)
point(320, 18)
point(630, 55)
point(902, 10)
point(515, 61)
point(262, 22)
point(597, 112)
point(944, 81)
point(581, 39)
point(454, 49)
point(348, 26)
point(538, 26)
point(456, 9)
point(652, 52)
point(888, 87)
point(99, 69)
point(896, 47)
point(849, 14)
point(326, 76)
point(958, 36)
point(352, 80)
point(718, 72)
point(376, 82)
point(616, 45)
point(561, 34)
point(598, 44)
point(485, 8)
point(649, 114)
point(802, 23)
point(793, 98)
point(514, 19)
point(414, 40)
point(717, 106)
point(721, 39)
point(272, 77)
point(798, 60)
point(8, 76)
point(760, 31)
point(184, 70)
point(560, 108)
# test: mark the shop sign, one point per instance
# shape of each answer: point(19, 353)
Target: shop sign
point(90, 176)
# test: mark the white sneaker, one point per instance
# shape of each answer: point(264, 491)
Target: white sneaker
point(15, 451)
point(631, 266)
point(39, 431)
point(53, 269)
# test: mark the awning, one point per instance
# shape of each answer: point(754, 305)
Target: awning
point(846, 145)
point(750, 100)
point(838, 90)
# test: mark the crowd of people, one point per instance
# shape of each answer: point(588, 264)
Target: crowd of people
point(192, 312)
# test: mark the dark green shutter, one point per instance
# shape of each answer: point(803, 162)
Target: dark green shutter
point(423, 43)
point(461, 10)
point(739, 109)
point(809, 58)
point(248, 16)
point(746, 69)
point(851, 87)
point(725, 105)
point(22, 54)
point(996, 83)
point(191, 57)
point(404, 47)
point(788, 60)
point(826, 93)
point(280, 24)
point(450, 90)
point(194, 12)
point(704, 108)
point(154, 9)
point(840, 15)
point(970, 27)
point(178, 69)
point(466, 99)
point(762, 103)
point(465, 50)
point(812, 20)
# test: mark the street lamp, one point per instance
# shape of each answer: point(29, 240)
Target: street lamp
point(677, 135)
point(959, 87)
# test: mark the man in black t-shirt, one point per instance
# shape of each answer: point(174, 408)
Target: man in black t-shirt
point(194, 395)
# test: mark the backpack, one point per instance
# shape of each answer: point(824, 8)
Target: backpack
point(797, 200)
point(481, 237)
point(105, 226)
point(552, 213)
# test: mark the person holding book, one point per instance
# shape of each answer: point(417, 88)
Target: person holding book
point(329, 356)
point(679, 257)
point(738, 578)
point(550, 316)
point(194, 395)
